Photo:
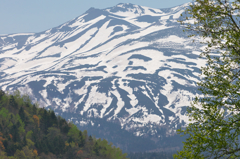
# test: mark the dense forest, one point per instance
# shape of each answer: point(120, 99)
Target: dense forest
point(30, 132)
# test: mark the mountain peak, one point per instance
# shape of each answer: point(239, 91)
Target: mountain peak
point(127, 7)
point(92, 9)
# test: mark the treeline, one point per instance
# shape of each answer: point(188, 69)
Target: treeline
point(151, 155)
point(30, 132)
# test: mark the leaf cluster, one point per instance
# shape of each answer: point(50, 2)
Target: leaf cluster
point(215, 116)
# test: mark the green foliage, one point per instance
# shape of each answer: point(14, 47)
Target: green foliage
point(20, 155)
point(73, 134)
point(102, 148)
point(30, 132)
point(21, 124)
point(214, 131)
point(3, 113)
point(29, 143)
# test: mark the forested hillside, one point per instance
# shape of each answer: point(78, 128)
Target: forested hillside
point(30, 132)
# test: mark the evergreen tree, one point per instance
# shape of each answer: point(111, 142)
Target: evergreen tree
point(81, 138)
point(21, 114)
point(96, 148)
point(1, 93)
point(53, 118)
point(45, 120)
point(12, 102)
point(15, 133)
point(34, 109)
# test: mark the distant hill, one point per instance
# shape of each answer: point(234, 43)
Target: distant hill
point(30, 132)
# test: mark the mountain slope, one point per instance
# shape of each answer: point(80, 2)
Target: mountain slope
point(128, 64)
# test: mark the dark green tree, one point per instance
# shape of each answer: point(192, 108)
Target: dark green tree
point(53, 118)
point(2, 93)
point(45, 121)
point(34, 109)
point(96, 148)
point(15, 133)
point(81, 139)
point(22, 114)
point(12, 102)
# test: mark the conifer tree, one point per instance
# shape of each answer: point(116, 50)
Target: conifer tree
point(21, 114)
point(12, 102)
point(1, 93)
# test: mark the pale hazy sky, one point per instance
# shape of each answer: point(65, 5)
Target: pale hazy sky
point(18, 16)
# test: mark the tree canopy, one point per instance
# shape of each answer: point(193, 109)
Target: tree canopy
point(215, 119)
point(29, 132)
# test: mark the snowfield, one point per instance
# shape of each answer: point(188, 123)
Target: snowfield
point(128, 63)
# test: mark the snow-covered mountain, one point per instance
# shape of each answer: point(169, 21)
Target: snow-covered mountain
point(128, 64)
